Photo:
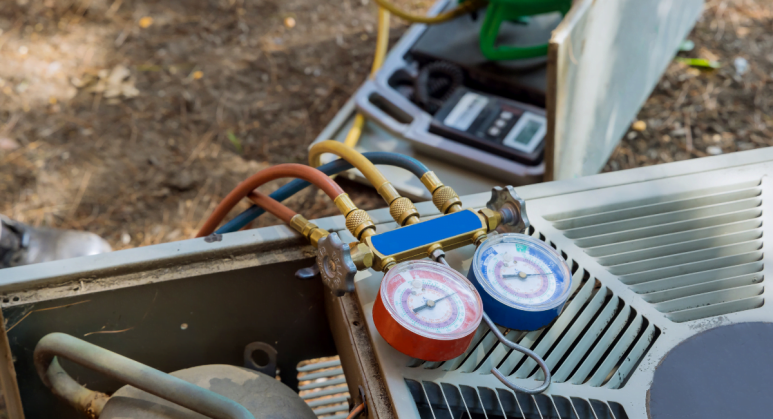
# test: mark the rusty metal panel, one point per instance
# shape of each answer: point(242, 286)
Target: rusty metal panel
point(178, 317)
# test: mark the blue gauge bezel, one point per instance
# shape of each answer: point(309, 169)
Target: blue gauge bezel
point(509, 313)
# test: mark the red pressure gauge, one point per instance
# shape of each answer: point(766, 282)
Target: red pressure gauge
point(427, 310)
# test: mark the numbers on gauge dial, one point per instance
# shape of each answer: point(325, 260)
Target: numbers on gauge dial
point(515, 273)
point(422, 300)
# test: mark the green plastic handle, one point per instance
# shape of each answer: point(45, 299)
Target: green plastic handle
point(500, 11)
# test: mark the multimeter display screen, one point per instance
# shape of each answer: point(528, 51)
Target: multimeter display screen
point(527, 133)
point(503, 127)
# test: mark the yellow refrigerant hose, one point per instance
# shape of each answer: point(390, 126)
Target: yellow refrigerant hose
point(401, 208)
point(382, 44)
point(460, 10)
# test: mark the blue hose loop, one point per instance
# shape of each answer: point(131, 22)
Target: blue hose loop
point(335, 167)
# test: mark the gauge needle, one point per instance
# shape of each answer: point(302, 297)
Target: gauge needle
point(431, 303)
point(523, 275)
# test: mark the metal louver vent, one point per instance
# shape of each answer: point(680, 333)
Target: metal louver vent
point(597, 340)
point(691, 255)
point(448, 401)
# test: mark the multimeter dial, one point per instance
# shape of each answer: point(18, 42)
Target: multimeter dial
point(523, 282)
point(427, 310)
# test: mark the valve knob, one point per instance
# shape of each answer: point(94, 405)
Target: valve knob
point(512, 207)
point(335, 263)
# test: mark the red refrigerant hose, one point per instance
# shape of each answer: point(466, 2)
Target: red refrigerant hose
point(272, 206)
point(247, 186)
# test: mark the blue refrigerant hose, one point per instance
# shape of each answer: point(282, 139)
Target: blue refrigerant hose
point(333, 168)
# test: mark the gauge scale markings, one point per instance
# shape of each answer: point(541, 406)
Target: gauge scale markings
point(444, 316)
point(538, 286)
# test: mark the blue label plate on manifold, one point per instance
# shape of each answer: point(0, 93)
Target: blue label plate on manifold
point(426, 232)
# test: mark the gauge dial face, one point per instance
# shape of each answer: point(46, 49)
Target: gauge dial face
point(431, 300)
point(522, 272)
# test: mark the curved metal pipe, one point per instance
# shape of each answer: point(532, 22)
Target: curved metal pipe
point(86, 401)
point(441, 257)
point(525, 351)
point(131, 372)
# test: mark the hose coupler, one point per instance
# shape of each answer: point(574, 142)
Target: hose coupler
point(308, 229)
point(401, 208)
point(358, 222)
point(444, 197)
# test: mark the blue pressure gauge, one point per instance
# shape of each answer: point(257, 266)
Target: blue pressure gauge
point(523, 282)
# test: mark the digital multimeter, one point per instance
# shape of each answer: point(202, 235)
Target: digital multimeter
point(501, 126)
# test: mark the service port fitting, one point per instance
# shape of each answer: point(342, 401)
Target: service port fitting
point(358, 222)
point(401, 208)
point(492, 218)
point(444, 197)
point(361, 254)
point(308, 229)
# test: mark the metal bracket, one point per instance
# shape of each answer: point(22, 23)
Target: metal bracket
point(268, 369)
point(306, 274)
point(512, 208)
point(334, 261)
point(364, 401)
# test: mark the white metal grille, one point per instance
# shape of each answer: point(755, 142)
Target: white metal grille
point(597, 340)
point(692, 255)
point(448, 401)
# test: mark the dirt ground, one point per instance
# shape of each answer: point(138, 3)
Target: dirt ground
point(133, 118)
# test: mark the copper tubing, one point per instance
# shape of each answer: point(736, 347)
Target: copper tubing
point(356, 411)
point(244, 188)
point(272, 206)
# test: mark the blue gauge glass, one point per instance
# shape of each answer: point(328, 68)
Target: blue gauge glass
point(523, 282)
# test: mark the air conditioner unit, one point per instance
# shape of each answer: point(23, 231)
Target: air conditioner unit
point(667, 317)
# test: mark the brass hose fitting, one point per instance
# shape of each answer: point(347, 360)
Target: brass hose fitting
point(401, 208)
point(358, 222)
point(308, 229)
point(444, 197)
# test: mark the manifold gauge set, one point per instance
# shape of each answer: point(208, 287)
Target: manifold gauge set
point(429, 311)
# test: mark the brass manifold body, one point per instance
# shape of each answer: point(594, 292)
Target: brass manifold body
point(489, 221)
point(365, 255)
point(455, 228)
